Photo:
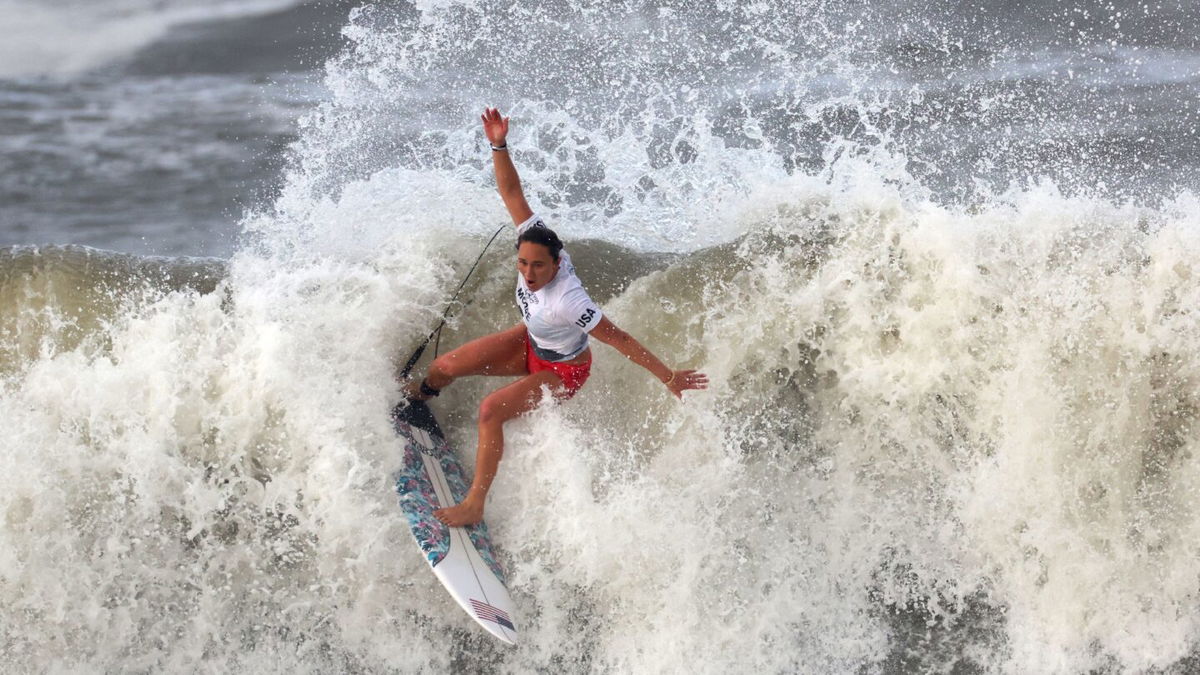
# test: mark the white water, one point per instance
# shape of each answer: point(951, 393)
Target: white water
point(936, 434)
point(911, 408)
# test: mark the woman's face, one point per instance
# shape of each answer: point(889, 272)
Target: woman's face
point(535, 265)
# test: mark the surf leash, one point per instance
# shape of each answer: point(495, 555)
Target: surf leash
point(412, 360)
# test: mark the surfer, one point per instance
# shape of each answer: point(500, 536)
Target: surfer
point(548, 348)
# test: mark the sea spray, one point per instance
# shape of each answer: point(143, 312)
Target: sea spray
point(945, 430)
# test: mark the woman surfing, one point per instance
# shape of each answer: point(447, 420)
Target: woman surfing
point(548, 348)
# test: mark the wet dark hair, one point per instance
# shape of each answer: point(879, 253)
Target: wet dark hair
point(540, 234)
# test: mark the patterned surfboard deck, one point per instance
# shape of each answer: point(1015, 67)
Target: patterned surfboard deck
point(462, 558)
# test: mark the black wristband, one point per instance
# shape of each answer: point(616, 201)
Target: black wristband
point(498, 148)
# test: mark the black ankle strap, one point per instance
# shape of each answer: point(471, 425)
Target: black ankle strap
point(427, 390)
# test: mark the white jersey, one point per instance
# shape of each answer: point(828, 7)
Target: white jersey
point(560, 315)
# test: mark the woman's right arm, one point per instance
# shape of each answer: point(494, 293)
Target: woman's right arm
point(507, 180)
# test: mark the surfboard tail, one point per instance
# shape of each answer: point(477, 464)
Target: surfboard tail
point(478, 591)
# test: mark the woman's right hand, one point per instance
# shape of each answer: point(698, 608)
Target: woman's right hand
point(494, 126)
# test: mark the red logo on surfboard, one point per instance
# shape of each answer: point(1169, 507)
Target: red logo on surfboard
point(489, 613)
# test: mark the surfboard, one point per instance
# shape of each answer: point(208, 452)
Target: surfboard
point(462, 558)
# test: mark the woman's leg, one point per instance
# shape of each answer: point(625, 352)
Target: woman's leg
point(497, 408)
point(500, 353)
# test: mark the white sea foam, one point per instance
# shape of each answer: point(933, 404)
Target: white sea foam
point(914, 410)
point(938, 434)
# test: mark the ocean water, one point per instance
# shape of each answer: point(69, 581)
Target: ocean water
point(940, 260)
point(152, 126)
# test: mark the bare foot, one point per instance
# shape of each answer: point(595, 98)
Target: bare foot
point(467, 513)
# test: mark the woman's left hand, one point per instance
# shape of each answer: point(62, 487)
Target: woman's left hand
point(682, 380)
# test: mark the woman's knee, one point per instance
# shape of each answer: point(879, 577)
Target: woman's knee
point(493, 410)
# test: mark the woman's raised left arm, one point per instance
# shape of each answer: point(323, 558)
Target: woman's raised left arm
point(678, 381)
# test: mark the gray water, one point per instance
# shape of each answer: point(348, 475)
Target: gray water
point(939, 260)
point(162, 140)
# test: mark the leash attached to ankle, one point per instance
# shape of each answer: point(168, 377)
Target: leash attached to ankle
point(427, 390)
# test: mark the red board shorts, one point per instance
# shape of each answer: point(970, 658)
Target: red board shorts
point(572, 375)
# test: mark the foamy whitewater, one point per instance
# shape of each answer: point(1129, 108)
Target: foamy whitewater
point(946, 297)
